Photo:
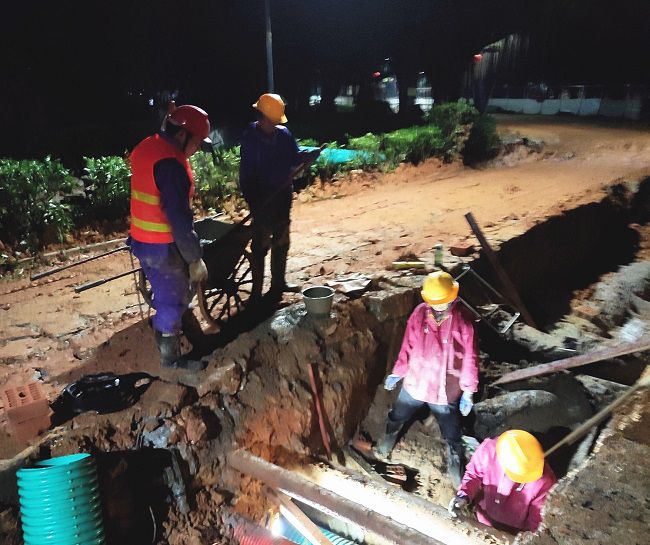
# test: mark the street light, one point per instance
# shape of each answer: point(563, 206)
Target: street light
point(269, 46)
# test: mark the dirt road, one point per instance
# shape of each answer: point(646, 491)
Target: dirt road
point(359, 224)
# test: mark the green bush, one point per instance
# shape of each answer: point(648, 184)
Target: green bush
point(413, 144)
point(109, 191)
point(216, 178)
point(483, 142)
point(32, 209)
point(450, 116)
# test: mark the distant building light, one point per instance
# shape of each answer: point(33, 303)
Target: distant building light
point(151, 102)
point(376, 74)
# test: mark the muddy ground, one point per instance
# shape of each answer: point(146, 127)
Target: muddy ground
point(257, 393)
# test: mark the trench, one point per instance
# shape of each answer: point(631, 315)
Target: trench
point(256, 398)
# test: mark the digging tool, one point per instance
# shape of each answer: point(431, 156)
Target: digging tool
point(643, 382)
point(508, 286)
point(96, 283)
point(319, 411)
point(49, 272)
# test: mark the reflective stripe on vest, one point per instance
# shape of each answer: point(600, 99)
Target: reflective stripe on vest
point(148, 220)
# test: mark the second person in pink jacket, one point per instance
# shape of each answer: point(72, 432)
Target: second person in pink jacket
point(438, 364)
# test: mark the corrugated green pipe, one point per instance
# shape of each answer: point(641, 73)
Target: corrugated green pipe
point(59, 502)
point(294, 535)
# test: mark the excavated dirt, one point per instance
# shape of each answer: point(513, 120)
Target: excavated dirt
point(255, 392)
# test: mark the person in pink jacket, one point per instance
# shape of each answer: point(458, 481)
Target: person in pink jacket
point(438, 363)
point(508, 480)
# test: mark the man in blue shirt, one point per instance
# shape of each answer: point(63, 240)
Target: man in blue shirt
point(269, 157)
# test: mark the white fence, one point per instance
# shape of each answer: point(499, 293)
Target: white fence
point(576, 99)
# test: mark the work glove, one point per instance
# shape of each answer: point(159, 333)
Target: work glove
point(391, 381)
point(198, 271)
point(466, 403)
point(456, 504)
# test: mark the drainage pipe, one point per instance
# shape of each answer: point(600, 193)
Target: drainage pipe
point(59, 502)
point(294, 535)
point(251, 534)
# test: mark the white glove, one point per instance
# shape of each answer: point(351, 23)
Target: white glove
point(391, 381)
point(456, 504)
point(198, 271)
point(466, 403)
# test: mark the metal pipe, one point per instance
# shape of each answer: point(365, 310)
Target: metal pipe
point(80, 262)
point(269, 46)
point(96, 283)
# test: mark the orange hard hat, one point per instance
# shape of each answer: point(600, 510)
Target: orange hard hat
point(193, 119)
point(439, 288)
point(272, 106)
point(520, 455)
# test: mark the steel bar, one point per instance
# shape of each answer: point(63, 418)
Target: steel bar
point(508, 286)
point(96, 283)
point(80, 262)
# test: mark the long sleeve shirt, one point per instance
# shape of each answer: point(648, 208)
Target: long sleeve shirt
point(265, 169)
point(174, 186)
point(438, 362)
point(500, 501)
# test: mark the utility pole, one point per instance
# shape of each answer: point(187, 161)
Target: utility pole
point(269, 46)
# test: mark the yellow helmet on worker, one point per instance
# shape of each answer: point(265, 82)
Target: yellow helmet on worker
point(520, 455)
point(271, 106)
point(439, 288)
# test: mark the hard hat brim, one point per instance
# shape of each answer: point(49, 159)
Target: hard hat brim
point(426, 297)
point(525, 478)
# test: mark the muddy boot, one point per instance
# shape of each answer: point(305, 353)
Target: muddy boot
point(455, 463)
point(170, 354)
point(278, 270)
point(387, 441)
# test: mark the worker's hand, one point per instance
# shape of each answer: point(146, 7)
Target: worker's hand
point(391, 381)
point(466, 403)
point(198, 271)
point(456, 504)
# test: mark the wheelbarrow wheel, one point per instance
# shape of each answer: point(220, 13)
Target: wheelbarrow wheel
point(221, 303)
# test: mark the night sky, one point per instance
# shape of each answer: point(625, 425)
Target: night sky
point(73, 71)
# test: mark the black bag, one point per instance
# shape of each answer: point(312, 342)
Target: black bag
point(102, 393)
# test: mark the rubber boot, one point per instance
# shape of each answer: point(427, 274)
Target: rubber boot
point(279, 284)
point(170, 354)
point(257, 272)
point(387, 441)
point(455, 462)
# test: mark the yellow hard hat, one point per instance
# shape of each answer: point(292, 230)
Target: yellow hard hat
point(520, 455)
point(271, 106)
point(439, 288)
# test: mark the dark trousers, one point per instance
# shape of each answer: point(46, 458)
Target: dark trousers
point(270, 234)
point(448, 416)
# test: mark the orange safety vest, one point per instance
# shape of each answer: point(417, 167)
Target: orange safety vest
point(148, 220)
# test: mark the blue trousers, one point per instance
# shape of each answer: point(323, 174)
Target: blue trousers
point(448, 416)
point(169, 277)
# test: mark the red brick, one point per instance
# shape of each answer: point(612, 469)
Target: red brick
point(28, 412)
point(462, 249)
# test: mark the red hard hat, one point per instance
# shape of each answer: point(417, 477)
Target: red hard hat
point(193, 119)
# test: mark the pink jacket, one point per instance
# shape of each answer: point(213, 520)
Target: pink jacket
point(498, 500)
point(438, 363)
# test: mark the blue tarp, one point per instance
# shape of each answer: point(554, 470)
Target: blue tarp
point(339, 156)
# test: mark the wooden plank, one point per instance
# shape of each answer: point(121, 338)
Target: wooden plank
point(508, 287)
point(373, 508)
point(575, 361)
point(298, 519)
